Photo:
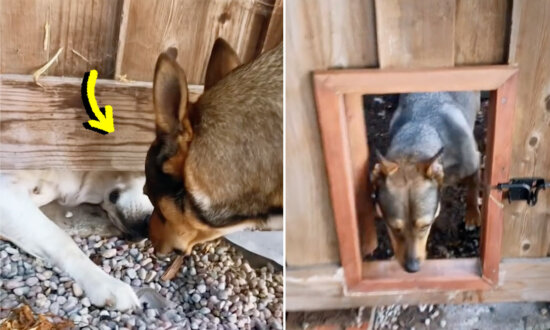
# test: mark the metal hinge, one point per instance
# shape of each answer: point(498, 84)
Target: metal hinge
point(523, 189)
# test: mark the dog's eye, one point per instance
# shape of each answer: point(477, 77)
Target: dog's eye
point(114, 195)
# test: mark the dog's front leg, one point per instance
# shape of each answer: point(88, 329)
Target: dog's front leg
point(473, 214)
point(22, 223)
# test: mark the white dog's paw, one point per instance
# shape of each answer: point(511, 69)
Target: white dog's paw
point(110, 292)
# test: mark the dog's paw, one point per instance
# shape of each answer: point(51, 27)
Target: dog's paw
point(472, 219)
point(110, 292)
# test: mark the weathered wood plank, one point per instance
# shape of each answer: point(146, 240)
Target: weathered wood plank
point(319, 35)
point(41, 127)
point(192, 26)
point(415, 33)
point(322, 288)
point(89, 28)
point(481, 32)
point(527, 229)
point(274, 35)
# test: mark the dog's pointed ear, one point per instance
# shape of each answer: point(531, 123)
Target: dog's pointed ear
point(170, 94)
point(384, 167)
point(433, 168)
point(223, 60)
point(170, 100)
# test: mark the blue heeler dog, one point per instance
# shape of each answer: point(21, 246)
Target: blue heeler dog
point(432, 144)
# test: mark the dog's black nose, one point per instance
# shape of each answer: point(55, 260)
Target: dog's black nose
point(412, 265)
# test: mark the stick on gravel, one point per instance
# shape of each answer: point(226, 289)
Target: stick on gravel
point(173, 269)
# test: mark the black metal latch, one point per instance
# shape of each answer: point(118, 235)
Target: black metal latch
point(523, 189)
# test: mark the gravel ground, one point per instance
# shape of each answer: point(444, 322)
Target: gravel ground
point(503, 316)
point(448, 237)
point(216, 288)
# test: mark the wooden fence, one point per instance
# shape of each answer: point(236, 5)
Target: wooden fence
point(324, 34)
point(41, 125)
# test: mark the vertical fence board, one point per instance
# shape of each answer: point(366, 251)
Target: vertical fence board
point(274, 34)
point(527, 229)
point(415, 33)
point(191, 26)
point(89, 28)
point(481, 33)
point(320, 35)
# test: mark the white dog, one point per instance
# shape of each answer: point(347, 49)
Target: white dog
point(120, 194)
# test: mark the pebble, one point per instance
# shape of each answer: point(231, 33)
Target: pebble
point(543, 311)
point(109, 253)
point(131, 273)
point(443, 323)
point(215, 289)
point(77, 291)
point(31, 281)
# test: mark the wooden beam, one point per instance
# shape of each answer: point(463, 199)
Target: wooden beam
point(359, 152)
point(41, 127)
point(444, 274)
point(377, 81)
point(318, 288)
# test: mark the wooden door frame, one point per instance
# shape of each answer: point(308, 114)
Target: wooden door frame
point(338, 96)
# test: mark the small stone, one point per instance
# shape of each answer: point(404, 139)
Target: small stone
point(21, 291)
point(223, 295)
point(232, 318)
point(150, 276)
point(427, 321)
point(151, 313)
point(54, 308)
point(70, 304)
point(131, 273)
point(85, 302)
point(543, 311)
point(68, 214)
point(443, 323)
point(205, 310)
point(201, 288)
point(196, 297)
point(108, 253)
point(77, 291)
point(31, 281)
point(12, 284)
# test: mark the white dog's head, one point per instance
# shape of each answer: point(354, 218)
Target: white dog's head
point(127, 207)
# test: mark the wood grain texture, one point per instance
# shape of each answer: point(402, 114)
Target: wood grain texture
point(340, 170)
point(87, 27)
point(339, 108)
point(192, 26)
point(319, 35)
point(527, 229)
point(274, 34)
point(415, 33)
point(375, 81)
point(481, 32)
point(42, 127)
point(357, 136)
point(441, 274)
point(497, 169)
point(322, 288)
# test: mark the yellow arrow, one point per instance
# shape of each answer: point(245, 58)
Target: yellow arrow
point(104, 122)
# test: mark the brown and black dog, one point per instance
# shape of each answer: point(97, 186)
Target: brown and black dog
point(216, 165)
